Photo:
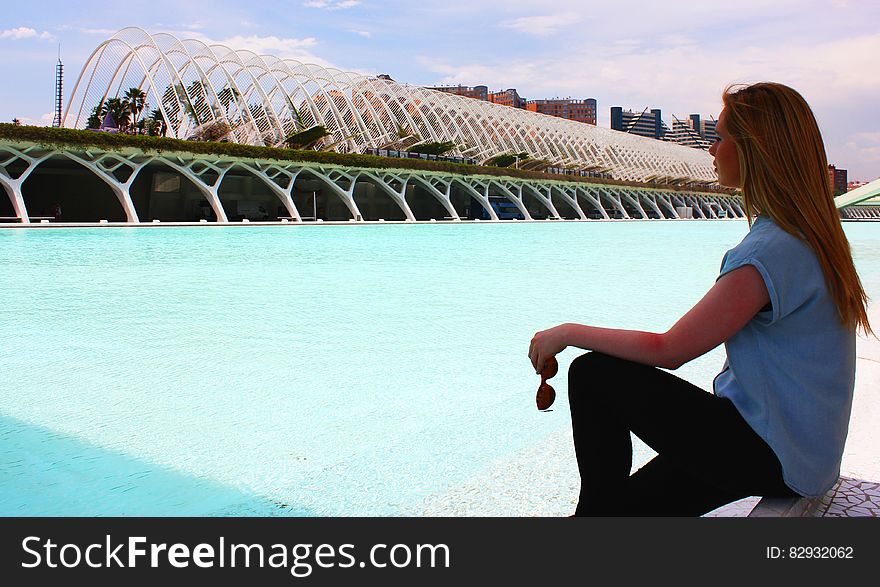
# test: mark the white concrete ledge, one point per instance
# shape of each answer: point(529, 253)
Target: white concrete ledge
point(785, 507)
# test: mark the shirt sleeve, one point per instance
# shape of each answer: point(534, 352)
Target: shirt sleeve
point(787, 266)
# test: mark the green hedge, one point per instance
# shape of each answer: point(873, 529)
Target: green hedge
point(66, 137)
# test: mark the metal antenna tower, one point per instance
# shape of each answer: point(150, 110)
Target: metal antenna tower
point(59, 95)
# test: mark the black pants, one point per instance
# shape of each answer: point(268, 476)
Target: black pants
point(707, 454)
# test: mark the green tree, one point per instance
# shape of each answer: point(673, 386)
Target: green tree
point(135, 100)
point(94, 120)
point(433, 148)
point(226, 96)
point(171, 104)
point(308, 138)
point(118, 110)
point(155, 124)
point(507, 159)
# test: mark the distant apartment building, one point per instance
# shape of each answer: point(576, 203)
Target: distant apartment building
point(477, 92)
point(508, 97)
point(707, 129)
point(579, 110)
point(837, 178)
point(687, 132)
point(645, 123)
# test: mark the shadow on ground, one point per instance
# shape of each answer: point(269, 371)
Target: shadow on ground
point(44, 473)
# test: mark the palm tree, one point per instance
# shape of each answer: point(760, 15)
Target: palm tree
point(135, 101)
point(171, 104)
point(156, 123)
point(118, 110)
point(198, 107)
point(226, 96)
point(307, 138)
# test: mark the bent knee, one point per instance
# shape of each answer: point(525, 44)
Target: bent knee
point(591, 371)
point(591, 363)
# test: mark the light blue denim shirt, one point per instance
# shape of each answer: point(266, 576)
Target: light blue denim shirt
point(791, 370)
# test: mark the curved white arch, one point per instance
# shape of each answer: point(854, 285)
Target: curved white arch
point(272, 98)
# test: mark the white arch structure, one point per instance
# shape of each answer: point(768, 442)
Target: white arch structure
point(579, 200)
point(264, 99)
point(861, 194)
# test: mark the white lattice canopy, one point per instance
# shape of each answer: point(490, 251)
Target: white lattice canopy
point(262, 100)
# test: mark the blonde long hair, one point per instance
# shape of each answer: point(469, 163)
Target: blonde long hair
point(784, 174)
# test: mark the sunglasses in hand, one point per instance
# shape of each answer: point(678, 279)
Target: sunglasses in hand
point(546, 394)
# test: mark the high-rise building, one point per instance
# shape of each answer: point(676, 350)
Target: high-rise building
point(837, 178)
point(644, 123)
point(579, 110)
point(508, 97)
point(687, 132)
point(478, 92)
point(707, 129)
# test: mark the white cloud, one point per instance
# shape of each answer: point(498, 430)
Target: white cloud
point(683, 78)
point(861, 152)
point(269, 44)
point(675, 40)
point(102, 32)
point(281, 47)
point(837, 76)
point(44, 119)
point(331, 4)
point(365, 34)
point(542, 26)
point(26, 33)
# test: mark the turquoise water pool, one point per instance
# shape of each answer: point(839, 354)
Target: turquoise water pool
point(310, 370)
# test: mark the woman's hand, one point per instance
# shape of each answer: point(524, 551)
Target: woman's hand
point(548, 343)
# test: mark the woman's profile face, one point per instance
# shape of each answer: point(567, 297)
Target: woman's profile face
point(726, 157)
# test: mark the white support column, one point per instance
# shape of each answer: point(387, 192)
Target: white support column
point(635, 202)
point(104, 167)
point(515, 198)
point(652, 202)
point(711, 203)
point(726, 203)
point(570, 198)
point(615, 199)
point(334, 179)
point(209, 190)
point(399, 196)
point(542, 193)
point(433, 185)
point(666, 200)
point(283, 193)
point(594, 199)
point(13, 186)
point(482, 198)
point(695, 206)
point(742, 213)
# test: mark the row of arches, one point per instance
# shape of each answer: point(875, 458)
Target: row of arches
point(65, 186)
point(262, 100)
point(861, 212)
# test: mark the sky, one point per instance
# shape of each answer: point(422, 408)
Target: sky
point(676, 55)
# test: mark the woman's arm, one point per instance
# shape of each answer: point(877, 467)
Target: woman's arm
point(724, 310)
